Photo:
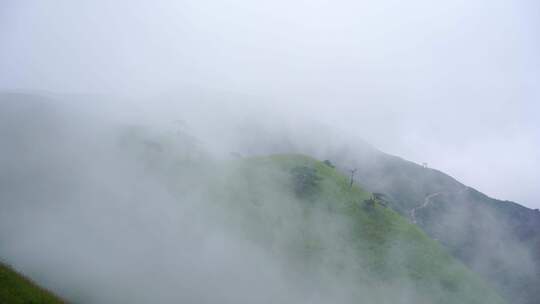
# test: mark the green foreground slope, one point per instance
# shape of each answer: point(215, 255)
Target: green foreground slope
point(338, 234)
point(16, 289)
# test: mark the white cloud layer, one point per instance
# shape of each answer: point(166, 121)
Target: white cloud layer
point(453, 84)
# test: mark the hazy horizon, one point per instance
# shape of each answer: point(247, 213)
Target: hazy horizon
point(453, 85)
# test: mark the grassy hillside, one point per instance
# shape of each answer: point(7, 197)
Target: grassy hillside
point(499, 240)
point(16, 289)
point(323, 237)
point(340, 233)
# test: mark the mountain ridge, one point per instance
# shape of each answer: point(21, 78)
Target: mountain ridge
point(405, 185)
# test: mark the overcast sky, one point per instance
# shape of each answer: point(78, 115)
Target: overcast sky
point(455, 83)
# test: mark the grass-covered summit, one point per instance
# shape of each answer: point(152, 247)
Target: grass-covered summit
point(340, 237)
point(144, 217)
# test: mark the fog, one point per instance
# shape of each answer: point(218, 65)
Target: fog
point(107, 209)
point(88, 88)
point(452, 84)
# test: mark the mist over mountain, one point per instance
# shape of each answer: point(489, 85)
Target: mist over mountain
point(105, 205)
point(202, 151)
point(451, 84)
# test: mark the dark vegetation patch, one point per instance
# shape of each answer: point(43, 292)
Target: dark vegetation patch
point(16, 289)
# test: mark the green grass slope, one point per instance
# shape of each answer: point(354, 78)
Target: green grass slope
point(499, 240)
point(16, 289)
point(340, 233)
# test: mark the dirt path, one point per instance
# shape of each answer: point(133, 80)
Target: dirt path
point(426, 202)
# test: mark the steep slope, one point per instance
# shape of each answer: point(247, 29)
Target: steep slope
point(500, 240)
point(343, 232)
point(16, 289)
point(137, 216)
